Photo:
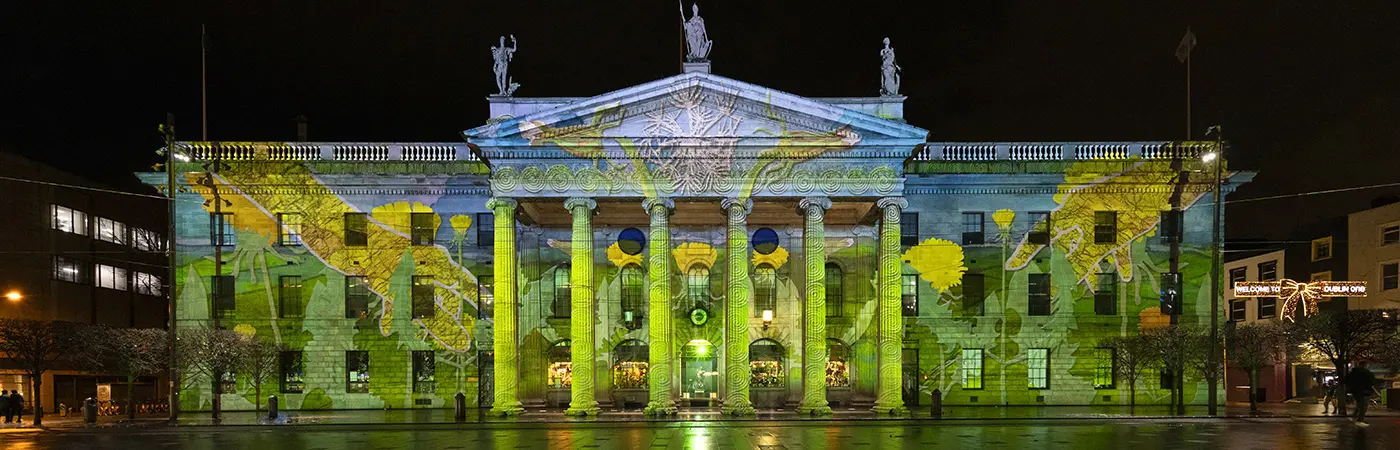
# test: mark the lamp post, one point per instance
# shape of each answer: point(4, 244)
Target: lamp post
point(1218, 158)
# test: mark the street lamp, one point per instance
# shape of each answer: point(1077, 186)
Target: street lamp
point(14, 296)
point(1214, 157)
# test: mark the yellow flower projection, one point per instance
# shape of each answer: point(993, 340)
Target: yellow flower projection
point(1003, 219)
point(245, 330)
point(460, 224)
point(774, 260)
point(1151, 318)
point(396, 215)
point(620, 258)
point(939, 261)
point(691, 253)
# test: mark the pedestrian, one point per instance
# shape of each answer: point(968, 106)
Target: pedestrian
point(5, 405)
point(1329, 395)
point(1360, 383)
point(17, 405)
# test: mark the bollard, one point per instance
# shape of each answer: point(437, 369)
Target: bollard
point(271, 407)
point(461, 407)
point(936, 408)
point(90, 411)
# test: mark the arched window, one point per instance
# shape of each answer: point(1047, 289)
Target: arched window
point(697, 284)
point(838, 371)
point(766, 364)
point(561, 371)
point(835, 296)
point(632, 296)
point(630, 365)
point(765, 286)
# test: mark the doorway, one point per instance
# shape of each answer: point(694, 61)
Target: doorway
point(910, 379)
point(486, 379)
point(699, 379)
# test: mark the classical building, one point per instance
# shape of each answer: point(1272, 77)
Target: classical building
point(692, 242)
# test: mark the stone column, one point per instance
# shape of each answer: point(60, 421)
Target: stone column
point(582, 400)
point(736, 309)
point(888, 397)
point(814, 356)
point(507, 402)
point(660, 351)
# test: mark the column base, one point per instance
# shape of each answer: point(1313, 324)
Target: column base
point(583, 412)
point(823, 410)
point(505, 411)
point(738, 410)
point(661, 408)
point(891, 410)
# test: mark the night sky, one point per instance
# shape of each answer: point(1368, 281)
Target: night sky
point(1308, 92)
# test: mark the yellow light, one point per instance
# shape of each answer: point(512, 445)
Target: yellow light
point(768, 316)
point(14, 296)
point(1208, 157)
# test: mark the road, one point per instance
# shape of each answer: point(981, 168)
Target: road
point(1281, 434)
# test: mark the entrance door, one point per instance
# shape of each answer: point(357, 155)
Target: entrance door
point(910, 369)
point(486, 382)
point(699, 379)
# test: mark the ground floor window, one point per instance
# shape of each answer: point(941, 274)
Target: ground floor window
point(293, 381)
point(838, 373)
point(1104, 368)
point(228, 382)
point(630, 365)
point(972, 368)
point(1038, 364)
point(765, 364)
point(424, 371)
point(561, 368)
point(357, 371)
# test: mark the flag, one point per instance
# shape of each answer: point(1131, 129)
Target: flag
point(1188, 42)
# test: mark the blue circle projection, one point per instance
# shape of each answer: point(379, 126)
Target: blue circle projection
point(765, 241)
point(631, 241)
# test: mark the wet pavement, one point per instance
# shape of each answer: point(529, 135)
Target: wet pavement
point(1136, 434)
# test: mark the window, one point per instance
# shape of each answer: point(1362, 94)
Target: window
point(1105, 362)
point(111, 231)
point(1390, 234)
point(563, 302)
point(835, 296)
point(974, 294)
point(1171, 226)
point(224, 299)
point(1040, 228)
point(485, 297)
point(1237, 310)
point(632, 297)
point(293, 376)
point(424, 372)
point(1321, 276)
point(1268, 271)
point(70, 220)
point(485, 230)
point(357, 371)
point(561, 366)
point(1237, 275)
point(766, 364)
point(630, 366)
point(290, 226)
point(1390, 276)
point(1170, 299)
point(111, 277)
point(421, 228)
point(1322, 248)
point(146, 240)
point(973, 223)
point(972, 368)
point(1268, 307)
point(908, 229)
point(145, 283)
point(697, 284)
point(356, 297)
point(765, 287)
point(356, 229)
point(221, 229)
point(1106, 295)
point(1038, 298)
point(1038, 364)
point(228, 383)
point(70, 270)
point(424, 297)
point(1105, 227)
point(838, 373)
point(909, 295)
point(1166, 379)
point(289, 296)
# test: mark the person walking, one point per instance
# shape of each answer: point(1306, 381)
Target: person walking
point(5, 405)
point(1329, 396)
point(1360, 383)
point(17, 405)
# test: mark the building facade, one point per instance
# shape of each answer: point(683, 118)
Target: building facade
point(692, 242)
point(1374, 254)
point(77, 251)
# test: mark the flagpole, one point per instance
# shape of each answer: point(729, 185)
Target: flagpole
point(1188, 86)
point(203, 86)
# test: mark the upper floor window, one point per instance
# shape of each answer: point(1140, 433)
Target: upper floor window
point(221, 229)
point(289, 296)
point(1171, 226)
point(1106, 295)
point(1040, 228)
point(908, 228)
point(70, 220)
point(765, 285)
point(1105, 227)
point(356, 297)
point(1038, 298)
point(974, 294)
point(1321, 276)
point(563, 300)
point(1237, 275)
point(146, 240)
point(291, 229)
point(111, 231)
point(835, 296)
point(1322, 248)
point(909, 295)
point(485, 229)
point(1237, 310)
point(68, 269)
point(1390, 234)
point(421, 228)
point(225, 298)
point(1390, 276)
point(632, 297)
point(424, 296)
point(973, 227)
point(356, 229)
point(146, 283)
point(357, 371)
point(111, 277)
point(485, 296)
point(697, 284)
point(1268, 271)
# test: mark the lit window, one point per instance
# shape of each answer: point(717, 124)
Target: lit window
point(70, 220)
point(293, 376)
point(838, 373)
point(111, 231)
point(698, 284)
point(356, 297)
point(563, 300)
point(1105, 364)
point(1390, 276)
point(1040, 228)
point(484, 296)
point(1390, 234)
point(357, 371)
point(835, 295)
point(766, 364)
point(632, 297)
point(1105, 227)
point(1106, 295)
point(909, 295)
point(424, 297)
point(630, 365)
point(1038, 294)
point(289, 293)
point(146, 283)
point(1322, 248)
point(765, 297)
point(67, 269)
point(291, 229)
point(424, 372)
point(973, 226)
point(1038, 363)
point(111, 277)
point(972, 368)
point(221, 229)
point(561, 366)
point(146, 240)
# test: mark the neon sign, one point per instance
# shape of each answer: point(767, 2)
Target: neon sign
point(1293, 292)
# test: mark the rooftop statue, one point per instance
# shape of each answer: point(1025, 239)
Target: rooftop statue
point(889, 72)
point(697, 42)
point(502, 55)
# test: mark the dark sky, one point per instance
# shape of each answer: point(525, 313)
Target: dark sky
point(1307, 91)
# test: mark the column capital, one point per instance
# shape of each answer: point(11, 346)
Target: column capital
point(729, 203)
point(898, 202)
point(500, 202)
point(651, 203)
point(807, 203)
point(574, 202)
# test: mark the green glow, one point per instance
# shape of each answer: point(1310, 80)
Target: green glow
point(659, 330)
point(736, 310)
point(506, 402)
point(814, 354)
point(582, 401)
point(888, 398)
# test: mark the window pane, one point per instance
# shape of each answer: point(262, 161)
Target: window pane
point(421, 228)
point(909, 295)
point(1237, 310)
point(1390, 235)
point(111, 231)
point(1268, 307)
point(424, 371)
point(909, 228)
point(289, 294)
point(1038, 287)
point(1268, 271)
point(357, 371)
point(1038, 363)
point(356, 297)
point(66, 269)
point(698, 284)
point(485, 297)
point(835, 296)
point(974, 294)
point(221, 229)
point(1104, 368)
point(485, 230)
point(1390, 276)
point(291, 228)
point(424, 301)
point(1106, 294)
point(765, 290)
point(1237, 275)
point(632, 297)
point(293, 379)
point(146, 283)
point(973, 228)
point(1040, 228)
point(1105, 227)
point(111, 277)
point(972, 368)
point(356, 229)
point(563, 302)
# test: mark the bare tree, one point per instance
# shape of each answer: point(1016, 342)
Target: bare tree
point(1345, 336)
point(262, 362)
point(1173, 348)
point(211, 354)
point(1205, 356)
point(36, 346)
point(1253, 347)
point(1132, 356)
